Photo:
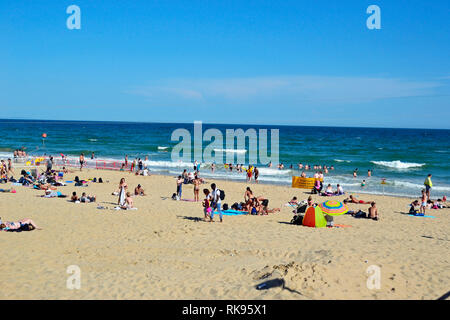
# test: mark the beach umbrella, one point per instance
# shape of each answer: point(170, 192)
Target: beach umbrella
point(333, 208)
point(314, 218)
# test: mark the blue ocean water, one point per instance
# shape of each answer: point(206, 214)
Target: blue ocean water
point(402, 156)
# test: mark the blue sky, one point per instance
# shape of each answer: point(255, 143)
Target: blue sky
point(262, 62)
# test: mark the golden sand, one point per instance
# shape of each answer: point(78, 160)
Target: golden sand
point(164, 250)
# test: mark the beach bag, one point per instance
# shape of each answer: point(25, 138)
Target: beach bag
point(302, 209)
point(222, 195)
point(297, 219)
point(234, 206)
point(100, 180)
point(225, 206)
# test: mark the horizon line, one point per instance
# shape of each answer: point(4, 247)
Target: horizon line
point(218, 123)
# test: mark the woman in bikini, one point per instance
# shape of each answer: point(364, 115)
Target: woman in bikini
point(196, 188)
point(19, 225)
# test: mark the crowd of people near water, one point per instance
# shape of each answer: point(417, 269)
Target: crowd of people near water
point(49, 179)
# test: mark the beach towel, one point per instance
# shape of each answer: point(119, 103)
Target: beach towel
point(231, 212)
point(425, 216)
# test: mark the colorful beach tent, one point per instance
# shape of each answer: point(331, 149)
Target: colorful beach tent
point(333, 208)
point(314, 218)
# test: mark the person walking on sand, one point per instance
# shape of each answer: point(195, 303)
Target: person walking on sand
point(428, 184)
point(81, 161)
point(256, 174)
point(215, 202)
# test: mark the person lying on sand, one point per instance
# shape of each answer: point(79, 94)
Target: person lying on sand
point(26, 224)
point(293, 201)
point(352, 199)
point(265, 208)
point(53, 194)
point(139, 191)
point(87, 198)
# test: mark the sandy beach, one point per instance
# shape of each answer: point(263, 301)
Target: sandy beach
point(164, 250)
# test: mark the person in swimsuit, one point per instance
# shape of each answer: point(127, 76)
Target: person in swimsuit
point(248, 195)
point(256, 174)
point(128, 202)
point(19, 225)
point(139, 191)
point(81, 161)
point(352, 199)
point(373, 211)
point(196, 188)
point(424, 199)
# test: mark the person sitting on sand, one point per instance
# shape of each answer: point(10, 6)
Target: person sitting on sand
point(311, 202)
point(329, 191)
point(24, 224)
point(87, 198)
point(415, 207)
point(139, 191)
point(74, 197)
point(128, 202)
point(340, 190)
point(254, 207)
point(373, 211)
point(353, 199)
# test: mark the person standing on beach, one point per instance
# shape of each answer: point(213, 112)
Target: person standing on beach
point(49, 164)
point(428, 184)
point(180, 181)
point(10, 167)
point(81, 161)
point(196, 188)
point(423, 204)
point(215, 202)
point(256, 174)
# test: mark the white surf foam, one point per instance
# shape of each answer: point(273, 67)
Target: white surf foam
point(397, 164)
point(231, 150)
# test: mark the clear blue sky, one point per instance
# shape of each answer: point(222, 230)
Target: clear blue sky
point(277, 62)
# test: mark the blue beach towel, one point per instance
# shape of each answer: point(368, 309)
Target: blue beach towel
point(231, 212)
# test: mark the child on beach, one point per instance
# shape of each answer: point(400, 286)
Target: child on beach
point(424, 199)
point(206, 205)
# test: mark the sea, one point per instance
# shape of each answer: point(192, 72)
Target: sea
point(401, 157)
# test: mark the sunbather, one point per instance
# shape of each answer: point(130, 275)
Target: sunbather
point(21, 224)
